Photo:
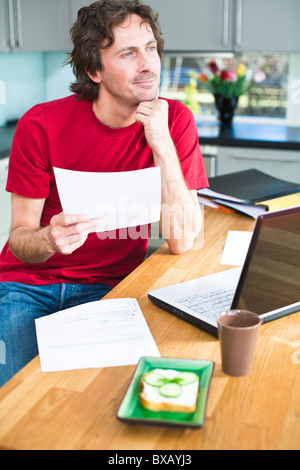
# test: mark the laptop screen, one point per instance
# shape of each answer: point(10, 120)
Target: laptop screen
point(271, 276)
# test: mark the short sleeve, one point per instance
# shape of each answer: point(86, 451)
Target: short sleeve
point(185, 137)
point(29, 169)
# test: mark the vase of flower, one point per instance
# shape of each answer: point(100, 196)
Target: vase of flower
point(226, 108)
point(227, 86)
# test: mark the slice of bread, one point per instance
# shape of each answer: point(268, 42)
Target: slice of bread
point(169, 382)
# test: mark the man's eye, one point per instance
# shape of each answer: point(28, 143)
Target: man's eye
point(127, 54)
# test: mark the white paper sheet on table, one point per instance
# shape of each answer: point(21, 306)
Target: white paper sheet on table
point(119, 199)
point(236, 248)
point(106, 333)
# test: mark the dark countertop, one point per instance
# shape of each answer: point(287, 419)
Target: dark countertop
point(250, 135)
point(239, 135)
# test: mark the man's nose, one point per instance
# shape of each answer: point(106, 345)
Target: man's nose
point(144, 64)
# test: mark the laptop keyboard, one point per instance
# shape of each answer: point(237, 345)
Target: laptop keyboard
point(210, 303)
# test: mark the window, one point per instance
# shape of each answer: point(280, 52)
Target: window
point(266, 99)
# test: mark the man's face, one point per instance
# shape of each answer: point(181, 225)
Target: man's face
point(131, 66)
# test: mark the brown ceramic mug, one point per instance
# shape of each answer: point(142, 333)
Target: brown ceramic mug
point(238, 330)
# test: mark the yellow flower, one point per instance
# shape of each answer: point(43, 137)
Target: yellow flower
point(241, 69)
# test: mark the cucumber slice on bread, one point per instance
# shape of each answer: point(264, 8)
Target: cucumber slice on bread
point(185, 378)
point(155, 379)
point(171, 390)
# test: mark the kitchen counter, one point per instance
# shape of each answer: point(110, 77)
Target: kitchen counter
point(250, 135)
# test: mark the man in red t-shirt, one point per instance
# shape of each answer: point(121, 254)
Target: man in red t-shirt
point(114, 122)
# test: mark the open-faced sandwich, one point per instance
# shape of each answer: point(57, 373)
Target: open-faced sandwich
point(169, 390)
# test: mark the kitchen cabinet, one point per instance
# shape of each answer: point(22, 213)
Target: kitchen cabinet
point(284, 164)
point(195, 25)
point(4, 26)
point(267, 25)
point(5, 206)
point(74, 7)
point(229, 25)
point(186, 25)
point(33, 25)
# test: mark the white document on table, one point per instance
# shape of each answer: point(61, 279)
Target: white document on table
point(236, 248)
point(105, 333)
point(119, 199)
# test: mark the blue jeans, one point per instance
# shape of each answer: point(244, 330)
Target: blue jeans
point(21, 304)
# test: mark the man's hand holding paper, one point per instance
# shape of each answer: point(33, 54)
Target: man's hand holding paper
point(67, 233)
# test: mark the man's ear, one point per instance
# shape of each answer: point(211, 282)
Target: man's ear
point(95, 78)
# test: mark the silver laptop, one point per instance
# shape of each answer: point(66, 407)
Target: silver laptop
point(268, 283)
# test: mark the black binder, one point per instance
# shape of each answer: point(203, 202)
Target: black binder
point(249, 187)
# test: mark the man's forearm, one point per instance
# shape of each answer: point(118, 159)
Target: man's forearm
point(181, 218)
point(31, 246)
point(64, 235)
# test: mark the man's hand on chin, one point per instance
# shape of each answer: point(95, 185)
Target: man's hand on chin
point(154, 116)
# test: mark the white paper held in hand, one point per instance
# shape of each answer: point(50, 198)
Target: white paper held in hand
point(119, 199)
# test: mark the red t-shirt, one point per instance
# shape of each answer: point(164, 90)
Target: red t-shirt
point(66, 134)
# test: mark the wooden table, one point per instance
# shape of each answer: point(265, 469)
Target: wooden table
point(77, 409)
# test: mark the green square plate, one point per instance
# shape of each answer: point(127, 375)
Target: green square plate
point(131, 410)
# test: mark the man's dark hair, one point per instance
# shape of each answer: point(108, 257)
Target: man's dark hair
point(93, 31)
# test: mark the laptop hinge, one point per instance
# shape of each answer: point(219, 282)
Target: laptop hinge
point(280, 312)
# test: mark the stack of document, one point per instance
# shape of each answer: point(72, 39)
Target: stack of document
point(105, 333)
point(209, 198)
point(246, 191)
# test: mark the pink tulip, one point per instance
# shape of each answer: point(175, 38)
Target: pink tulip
point(232, 76)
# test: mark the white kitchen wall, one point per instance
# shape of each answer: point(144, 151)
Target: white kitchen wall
point(24, 85)
point(31, 78)
point(57, 76)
